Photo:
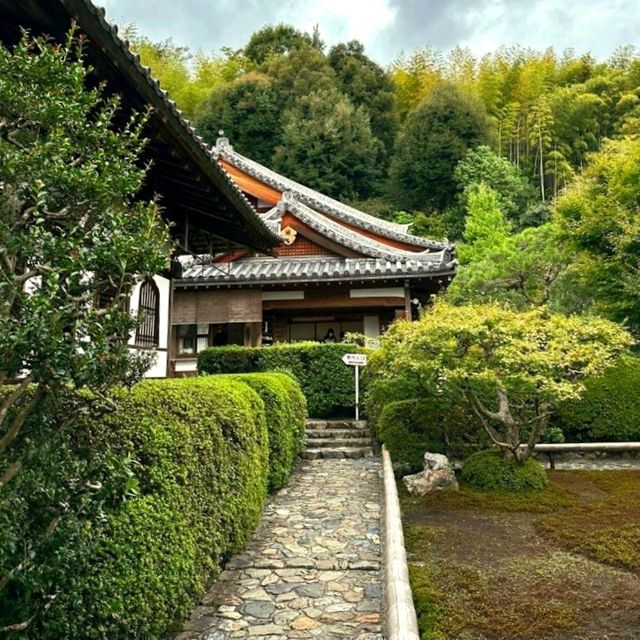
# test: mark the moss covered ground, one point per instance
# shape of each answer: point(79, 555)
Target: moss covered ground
point(562, 563)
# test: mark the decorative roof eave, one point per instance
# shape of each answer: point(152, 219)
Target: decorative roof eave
point(321, 202)
point(268, 271)
point(92, 21)
point(345, 236)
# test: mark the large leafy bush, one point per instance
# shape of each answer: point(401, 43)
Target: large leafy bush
point(512, 369)
point(118, 519)
point(409, 428)
point(609, 409)
point(286, 412)
point(72, 228)
point(327, 383)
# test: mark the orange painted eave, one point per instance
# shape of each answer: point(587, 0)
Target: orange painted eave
point(258, 189)
point(252, 186)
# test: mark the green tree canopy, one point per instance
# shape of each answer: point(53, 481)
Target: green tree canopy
point(247, 110)
point(435, 137)
point(73, 239)
point(299, 73)
point(525, 269)
point(367, 85)
point(598, 217)
point(481, 165)
point(277, 40)
point(512, 369)
point(188, 78)
point(328, 145)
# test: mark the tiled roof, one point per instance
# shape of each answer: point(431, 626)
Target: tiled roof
point(345, 236)
point(319, 202)
point(311, 269)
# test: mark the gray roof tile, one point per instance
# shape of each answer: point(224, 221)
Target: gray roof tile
point(305, 269)
point(320, 202)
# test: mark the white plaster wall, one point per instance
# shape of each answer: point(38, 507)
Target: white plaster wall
point(386, 292)
point(186, 365)
point(159, 368)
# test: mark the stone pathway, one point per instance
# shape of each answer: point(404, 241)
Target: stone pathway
point(592, 464)
point(313, 568)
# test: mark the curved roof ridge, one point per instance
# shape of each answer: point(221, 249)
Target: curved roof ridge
point(354, 240)
point(321, 201)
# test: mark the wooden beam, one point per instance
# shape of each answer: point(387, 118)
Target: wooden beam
point(330, 302)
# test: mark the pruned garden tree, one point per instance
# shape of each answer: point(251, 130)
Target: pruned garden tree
point(73, 238)
point(511, 368)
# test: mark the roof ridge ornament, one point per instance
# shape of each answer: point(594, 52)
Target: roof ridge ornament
point(222, 143)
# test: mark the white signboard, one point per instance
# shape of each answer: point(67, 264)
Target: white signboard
point(355, 359)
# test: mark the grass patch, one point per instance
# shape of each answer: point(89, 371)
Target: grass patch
point(551, 498)
point(605, 526)
point(498, 565)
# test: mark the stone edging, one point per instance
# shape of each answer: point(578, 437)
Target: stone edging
point(400, 618)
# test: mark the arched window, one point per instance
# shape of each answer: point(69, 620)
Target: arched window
point(147, 333)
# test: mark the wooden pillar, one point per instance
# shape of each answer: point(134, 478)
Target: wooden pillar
point(407, 301)
point(280, 333)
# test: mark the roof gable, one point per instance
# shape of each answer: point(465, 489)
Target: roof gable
point(251, 173)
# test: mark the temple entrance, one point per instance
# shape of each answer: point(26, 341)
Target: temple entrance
point(314, 327)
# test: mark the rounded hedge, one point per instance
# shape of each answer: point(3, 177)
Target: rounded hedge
point(159, 492)
point(609, 409)
point(492, 470)
point(409, 428)
point(327, 383)
point(286, 412)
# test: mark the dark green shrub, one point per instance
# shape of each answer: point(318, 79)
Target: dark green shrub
point(409, 428)
point(491, 470)
point(153, 497)
point(286, 412)
point(327, 383)
point(609, 409)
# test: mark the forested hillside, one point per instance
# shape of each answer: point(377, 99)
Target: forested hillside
point(529, 159)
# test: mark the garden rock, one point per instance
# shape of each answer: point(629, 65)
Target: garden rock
point(438, 474)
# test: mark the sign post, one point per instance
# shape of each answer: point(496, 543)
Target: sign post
point(356, 360)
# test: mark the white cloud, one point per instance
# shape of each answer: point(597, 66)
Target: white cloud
point(341, 20)
point(388, 26)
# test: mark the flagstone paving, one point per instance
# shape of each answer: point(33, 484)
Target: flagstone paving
point(313, 569)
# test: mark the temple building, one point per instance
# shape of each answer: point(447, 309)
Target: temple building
point(258, 257)
point(336, 270)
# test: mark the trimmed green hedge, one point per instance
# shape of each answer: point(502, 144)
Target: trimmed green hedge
point(327, 383)
point(409, 428)
point(609, 409)
point(491, 471)
point(153, 497)
point(286, 413)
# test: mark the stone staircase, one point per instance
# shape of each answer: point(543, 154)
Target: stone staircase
point(337, 439)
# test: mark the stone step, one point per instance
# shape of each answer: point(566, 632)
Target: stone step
point(338, 443)
point(336, 424)
point(337, 452)
point(313, 434)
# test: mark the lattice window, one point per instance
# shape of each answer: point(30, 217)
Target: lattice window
point(148, 331)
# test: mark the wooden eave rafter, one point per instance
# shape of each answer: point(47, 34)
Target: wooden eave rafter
point(174, 151)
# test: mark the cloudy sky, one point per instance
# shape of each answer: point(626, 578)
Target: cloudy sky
point(387, 27)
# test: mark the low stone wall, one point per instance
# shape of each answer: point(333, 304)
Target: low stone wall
point(400, 616)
